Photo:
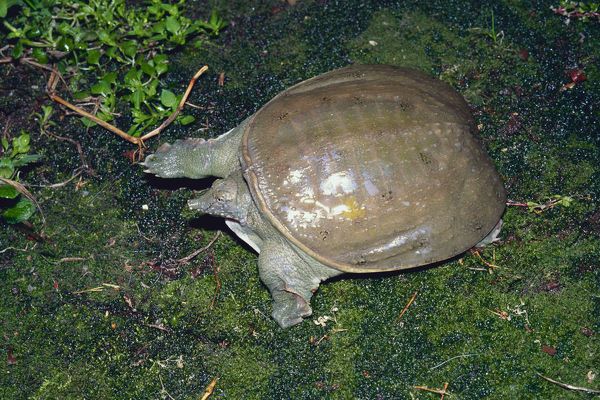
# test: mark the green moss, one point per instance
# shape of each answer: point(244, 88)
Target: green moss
point(152, 327)
point(244, 371)
point(409, 39)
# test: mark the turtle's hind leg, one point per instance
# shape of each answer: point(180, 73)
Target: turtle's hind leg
point(197, 158)
point(291, 281)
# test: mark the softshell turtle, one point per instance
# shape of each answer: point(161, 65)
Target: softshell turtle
point(367, 168)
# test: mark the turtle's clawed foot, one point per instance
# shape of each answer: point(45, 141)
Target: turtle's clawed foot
point(171, 160)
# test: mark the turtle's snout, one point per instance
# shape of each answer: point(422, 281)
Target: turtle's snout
point(199, 204)
point(219, 200)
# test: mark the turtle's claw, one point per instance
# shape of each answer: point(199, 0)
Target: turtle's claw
point(164, 163)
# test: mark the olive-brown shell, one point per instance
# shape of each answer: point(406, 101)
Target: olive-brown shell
point(372, 168)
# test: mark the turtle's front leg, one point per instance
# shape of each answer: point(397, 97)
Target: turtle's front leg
point(291, 282)
point(197, 158)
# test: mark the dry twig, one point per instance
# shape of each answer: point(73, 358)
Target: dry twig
point(569, 387)
point(443, 392)
point(491, 266)
point(71, 259)
point(217, 280)
point(209, 389)
point(139, 141)
point(179, 107)
point(97, 120)
point(188, 258)
point(453, 358)
point(407, 305)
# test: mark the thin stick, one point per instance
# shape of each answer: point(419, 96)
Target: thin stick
point(163, 386)
point(407, 305)
point(14, 248)
point(54, 77)
point(453, 358)
point(174, 115)
point(59, 184)
point(486, 263)
point(570, 387)
point(160, 327)
point(441, 392)
point(94, 289)
point(77, 145)
point(187, 258)
point(444, 390)
point(97, 120)
point(71, 259)
point(209, 389)
point(217, 280)
point(30, 61)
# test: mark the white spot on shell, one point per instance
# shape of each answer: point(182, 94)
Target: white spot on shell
point(407, 238)
point(338, 184)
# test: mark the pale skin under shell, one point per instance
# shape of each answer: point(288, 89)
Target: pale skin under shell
point(362, 169)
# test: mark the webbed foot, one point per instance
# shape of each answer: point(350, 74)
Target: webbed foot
point(289, 308)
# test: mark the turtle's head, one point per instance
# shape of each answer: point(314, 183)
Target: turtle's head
point(225, 199)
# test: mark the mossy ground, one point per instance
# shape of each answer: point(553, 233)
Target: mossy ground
point(102, 309)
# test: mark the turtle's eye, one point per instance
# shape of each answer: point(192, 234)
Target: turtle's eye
point(223, 196)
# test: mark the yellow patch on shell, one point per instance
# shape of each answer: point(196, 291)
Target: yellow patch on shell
point(354, 210)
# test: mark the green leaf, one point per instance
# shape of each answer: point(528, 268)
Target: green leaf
point(25, 159)
point(93, 57)
point(101, 87)
point(20, 144)
point(88, 123)
point(132, 77)
point(104, 116)
point(7, 167)
point(110, 77)
point(40, 55)
point(3, 8)
point(172, 24)
point(161, 63)
point(65, 44)
point(106, 38)
point(18, 50)
point(168, 98)
point(81, 95)
point(137, 97)
point(186, 119)
point(150, 88)
point(20, 212)
point(159, 27)
point(8, 192)
point(4, 142)
point(111, 52)
point(129, 48)
point(133, 129)
point(147, 68)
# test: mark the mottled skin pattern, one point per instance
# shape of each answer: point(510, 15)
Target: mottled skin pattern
point(292, 277)
point(292, 272)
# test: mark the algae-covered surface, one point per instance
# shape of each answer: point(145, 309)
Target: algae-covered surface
point(98, 306)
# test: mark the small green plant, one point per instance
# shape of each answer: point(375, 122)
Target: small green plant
point(578, 10)
point(108, 50)
point(14, 206)
point(490, 32)
point(551, 202)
